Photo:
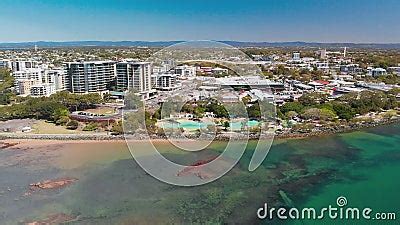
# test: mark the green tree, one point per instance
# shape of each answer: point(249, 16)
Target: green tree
point(314, 98)
point(218, 109)
point(92, 126)
point(312, 113)
point(344, 111)
point(291, 114)
point(327, 114)
point(292, 106)
point(72, 125)
point(117, 128)
point(226, 125)
point(246, 100)
point(60, 113)
point(6, 82)
point(254, 111)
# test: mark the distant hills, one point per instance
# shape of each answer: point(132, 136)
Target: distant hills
point(49, 44)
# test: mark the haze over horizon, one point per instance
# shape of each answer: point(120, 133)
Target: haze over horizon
point(161, 41)
point(322, 21)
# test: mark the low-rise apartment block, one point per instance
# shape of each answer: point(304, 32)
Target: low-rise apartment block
point(40, 90)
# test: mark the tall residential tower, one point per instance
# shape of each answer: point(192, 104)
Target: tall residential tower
point(135, 76)
point(89, 77)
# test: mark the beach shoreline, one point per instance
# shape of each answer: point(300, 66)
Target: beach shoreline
point(88, 138)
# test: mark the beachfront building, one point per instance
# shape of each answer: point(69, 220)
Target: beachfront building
point(56, 77)
point(40, 90)
point(89, 77)
point(32, 73)
point(134, 76)
point(24, 79)
point(23, 86)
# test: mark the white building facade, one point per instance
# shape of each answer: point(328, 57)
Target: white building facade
point(89, 77)
point(167, 82)
point(56, 77)
point(40, 90)
point(134, 76)
point(27, 77)
point(23, 64)
point(186, 71)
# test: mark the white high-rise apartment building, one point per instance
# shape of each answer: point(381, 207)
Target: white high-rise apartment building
point(56, 77)
point(89, 77)
point(167, 82)
point(28, 76)
point(37, 74)
point(134, 76)
point(23, 64)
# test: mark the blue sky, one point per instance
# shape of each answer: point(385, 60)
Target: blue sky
point(151, 20)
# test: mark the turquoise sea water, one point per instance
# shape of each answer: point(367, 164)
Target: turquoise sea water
point(363, 166)
point(371, 180)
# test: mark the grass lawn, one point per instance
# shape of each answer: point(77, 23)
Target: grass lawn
point(102, 110)
point(42, 127)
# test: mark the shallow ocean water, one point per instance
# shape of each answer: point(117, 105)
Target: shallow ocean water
point(112, 189)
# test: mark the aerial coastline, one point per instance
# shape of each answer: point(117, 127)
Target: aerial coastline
point(90, 138)
point(199, 112)
point(307, 92)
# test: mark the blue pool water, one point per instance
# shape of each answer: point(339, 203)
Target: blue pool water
point(194, 125)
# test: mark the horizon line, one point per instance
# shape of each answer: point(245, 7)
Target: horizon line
point(154, 41)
